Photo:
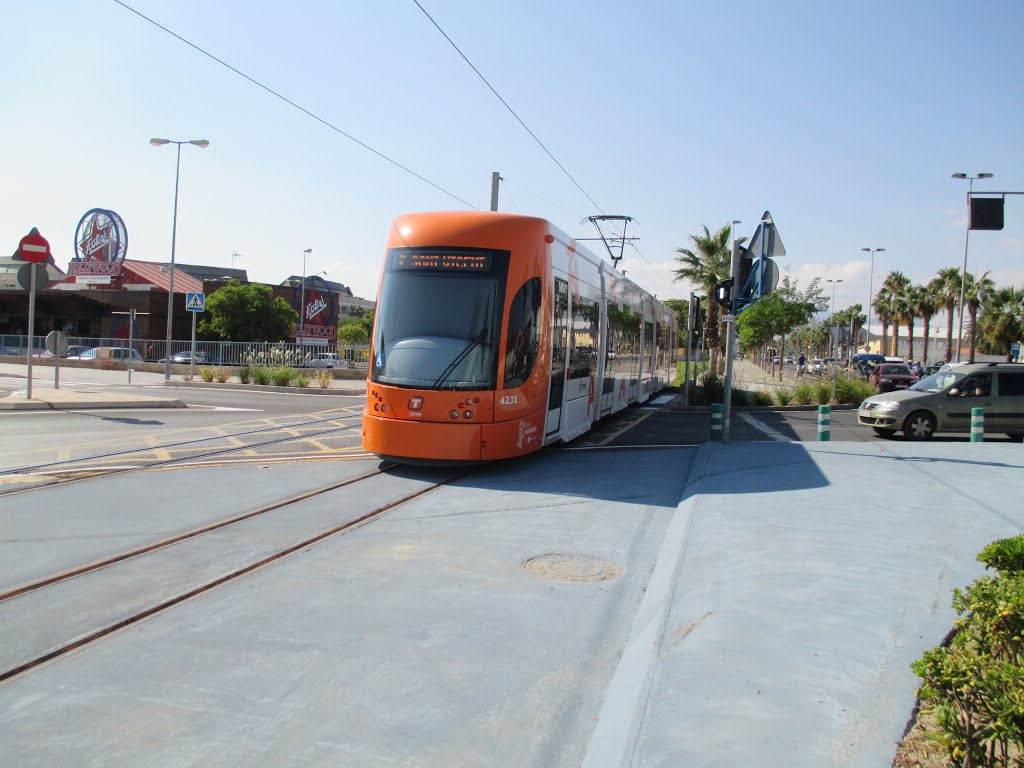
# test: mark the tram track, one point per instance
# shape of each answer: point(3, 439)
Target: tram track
point(58, 469)
point(79, 637)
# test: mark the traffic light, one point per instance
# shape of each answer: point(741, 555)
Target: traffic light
point(986, 213)
point(723, 293)
point(746, 266)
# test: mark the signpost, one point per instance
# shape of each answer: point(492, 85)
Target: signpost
point(34, 249)
point(132, 313)
point(56, 345)
point(194, 303)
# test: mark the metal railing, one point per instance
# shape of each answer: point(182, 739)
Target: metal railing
point(256, 353)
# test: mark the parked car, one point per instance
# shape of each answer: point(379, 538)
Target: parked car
point(9, 351)
point(887, 377)
point(326, 360)
point(816, 365)
point(117, 354)
point(201, 358)
point(74, 351)
point(943, 401)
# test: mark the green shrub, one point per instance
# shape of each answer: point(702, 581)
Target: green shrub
point(261, 376)
point(783, 396)
point(762, 398)
point(222, 375)
point(713, 388)
point(283, 376)
point(739, 397)
point(302, 380)
point(245, 374)
point(853, 391)
point(206, 374)
point(823, 392)
point(803, 394)
point(975, 686)
point(324, 378)
point(1004, 555)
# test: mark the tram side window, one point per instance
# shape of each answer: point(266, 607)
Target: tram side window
point(583, 351)
point(523, 338)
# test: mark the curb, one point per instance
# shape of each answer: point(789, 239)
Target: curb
point(71, 405)
point(265, 388)
point(758, 408)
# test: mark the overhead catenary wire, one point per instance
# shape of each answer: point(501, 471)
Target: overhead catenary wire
point(291, 103)
point(509, 108)
point(532, 134)
point(507, 192)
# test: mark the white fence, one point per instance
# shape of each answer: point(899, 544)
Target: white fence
point(257, 353)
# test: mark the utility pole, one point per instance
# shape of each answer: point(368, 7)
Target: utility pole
point(495, 178)
point(689, 351)
point(730, 332)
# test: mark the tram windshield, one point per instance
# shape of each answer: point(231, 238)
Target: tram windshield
point(438, 320)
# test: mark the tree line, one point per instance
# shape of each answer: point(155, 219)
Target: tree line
point(993, 316)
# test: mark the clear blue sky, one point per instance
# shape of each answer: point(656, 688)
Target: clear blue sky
point(844, 120)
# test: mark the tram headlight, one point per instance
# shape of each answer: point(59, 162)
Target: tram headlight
point(468, 414)
point(454, 414)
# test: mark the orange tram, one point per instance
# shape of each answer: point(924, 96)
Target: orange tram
point(496, 334)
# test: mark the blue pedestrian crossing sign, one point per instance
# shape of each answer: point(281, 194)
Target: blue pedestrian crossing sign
point(195, 302)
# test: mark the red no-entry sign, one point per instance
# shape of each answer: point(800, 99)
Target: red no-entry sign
point(34, 248)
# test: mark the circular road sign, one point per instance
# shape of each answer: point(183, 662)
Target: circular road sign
point(25, 276)
point(34, 248)
point(56, 343)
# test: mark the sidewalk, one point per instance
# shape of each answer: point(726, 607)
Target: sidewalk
point(752, 377)
point(49, 399)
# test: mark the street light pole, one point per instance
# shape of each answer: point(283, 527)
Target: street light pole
point(202, 144)
point(967, 240)
point(871, 293)
point(302, 302)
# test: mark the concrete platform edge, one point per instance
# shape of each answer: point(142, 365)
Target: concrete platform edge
point(624, 700)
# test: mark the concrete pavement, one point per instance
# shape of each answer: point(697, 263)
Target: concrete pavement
point(760, 604)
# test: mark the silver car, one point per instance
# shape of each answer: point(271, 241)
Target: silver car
point(943, 401)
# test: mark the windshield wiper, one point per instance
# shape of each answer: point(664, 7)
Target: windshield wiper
point(461, 356)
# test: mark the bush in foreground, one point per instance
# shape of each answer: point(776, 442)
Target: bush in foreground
point(975, 686)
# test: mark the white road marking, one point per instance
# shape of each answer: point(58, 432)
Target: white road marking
point(774, 434)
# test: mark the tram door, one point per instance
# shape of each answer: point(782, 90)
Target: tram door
point(559, 348)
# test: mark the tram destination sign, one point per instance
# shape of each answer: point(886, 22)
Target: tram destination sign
point(408, 260)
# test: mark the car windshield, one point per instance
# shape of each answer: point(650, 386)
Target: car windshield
point(937, 381)
point(894, 370)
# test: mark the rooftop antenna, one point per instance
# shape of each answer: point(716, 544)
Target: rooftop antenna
point(235, 255)
point(611, 242)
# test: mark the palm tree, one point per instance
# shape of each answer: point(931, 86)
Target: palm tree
point(914, 295)
point(926, 307)
point(883, 308)
point(947, 291)
point(709, 263)
point(897, 283)
point(977, 294)
point(1002, 322)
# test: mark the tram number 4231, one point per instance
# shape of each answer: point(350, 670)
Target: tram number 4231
point(509, 400)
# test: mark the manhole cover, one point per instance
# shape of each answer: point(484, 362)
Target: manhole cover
point(572, 568)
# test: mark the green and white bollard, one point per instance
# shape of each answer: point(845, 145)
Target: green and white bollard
point(977, 425)
point(716, 421)
point(824, 423)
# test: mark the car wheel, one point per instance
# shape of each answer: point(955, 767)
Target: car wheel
point(886, 433)
point(919, 425)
